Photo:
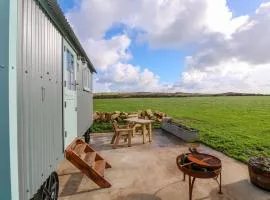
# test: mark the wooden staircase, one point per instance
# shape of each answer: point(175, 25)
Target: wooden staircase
point(88, 161)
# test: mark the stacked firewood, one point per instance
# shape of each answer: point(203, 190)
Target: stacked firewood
point(153, 115)
point(120, 116)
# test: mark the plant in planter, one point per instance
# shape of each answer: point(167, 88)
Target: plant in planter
point(185, 133)
point(259, 172)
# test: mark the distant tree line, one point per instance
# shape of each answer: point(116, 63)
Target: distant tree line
point(158, 95)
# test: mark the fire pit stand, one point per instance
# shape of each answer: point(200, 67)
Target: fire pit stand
point(198, 165)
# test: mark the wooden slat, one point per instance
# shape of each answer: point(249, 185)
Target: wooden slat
point(90, 158)
point(100, 166)
point(83, 157)
point(90, 172)
point(79, 149)
point(89, 148)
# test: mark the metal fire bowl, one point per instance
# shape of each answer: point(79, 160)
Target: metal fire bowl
point(186, 168)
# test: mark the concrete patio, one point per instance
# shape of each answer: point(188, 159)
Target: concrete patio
point(149, 172)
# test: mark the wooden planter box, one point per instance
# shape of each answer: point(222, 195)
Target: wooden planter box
point(259, 178)
point(184, 133)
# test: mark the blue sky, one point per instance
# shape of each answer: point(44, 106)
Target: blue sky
point(156, 60)
point(166, 61)
point(243, 7)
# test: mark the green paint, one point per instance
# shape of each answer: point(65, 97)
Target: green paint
point(5, 182)
point(237, 126)
point(13, 133)
point(8, 101)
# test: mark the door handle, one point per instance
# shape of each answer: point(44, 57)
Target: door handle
point(43, 93)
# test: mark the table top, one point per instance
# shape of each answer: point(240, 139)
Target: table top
point(140, 121)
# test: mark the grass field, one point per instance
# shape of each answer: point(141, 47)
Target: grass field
point(237, 126)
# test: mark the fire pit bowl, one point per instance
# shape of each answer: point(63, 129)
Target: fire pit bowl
point(186, 164)
point(259, 172)
point(198, 165)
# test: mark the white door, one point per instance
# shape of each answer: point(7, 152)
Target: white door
point(70, 94)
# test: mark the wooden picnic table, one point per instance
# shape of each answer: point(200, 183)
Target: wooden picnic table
point(145, 124)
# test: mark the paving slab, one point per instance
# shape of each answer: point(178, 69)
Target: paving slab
point(149, 172)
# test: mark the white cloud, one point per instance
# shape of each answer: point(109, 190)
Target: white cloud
point(231, 75)
point(164, 22)
point(241, 63)
point(105, 53)
point(219, 18)
point(128, 78)
point(249, 43)
point(114, 73)
point(232, 53)
point(189, 22)
point(92, 18)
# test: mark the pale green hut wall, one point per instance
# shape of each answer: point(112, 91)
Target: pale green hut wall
point(5, 184)
point(8, 100)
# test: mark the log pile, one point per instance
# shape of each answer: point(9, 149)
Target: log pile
point(153, 115)
point(120, 116)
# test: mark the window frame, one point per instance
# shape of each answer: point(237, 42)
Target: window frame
point(87, 80)
point(70, 70)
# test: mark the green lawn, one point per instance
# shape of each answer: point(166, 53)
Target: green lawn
point(237, 126)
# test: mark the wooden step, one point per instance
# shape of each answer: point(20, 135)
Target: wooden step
point(90, 158)
point(88, 161)
point(100, 166)
point(79, 149)
point(82, 156)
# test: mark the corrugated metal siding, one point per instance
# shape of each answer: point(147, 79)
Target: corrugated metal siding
point(39, 98)
point(66, 28)
point(85, 103)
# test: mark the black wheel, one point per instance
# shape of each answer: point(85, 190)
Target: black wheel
point(51, 187)
point(38, 195)
point(87, 137)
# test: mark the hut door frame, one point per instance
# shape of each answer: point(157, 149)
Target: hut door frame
point(70, 93)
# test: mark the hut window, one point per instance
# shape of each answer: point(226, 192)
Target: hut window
point(86, 79)
point(70, 70)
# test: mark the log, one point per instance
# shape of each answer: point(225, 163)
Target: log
point(119, 116)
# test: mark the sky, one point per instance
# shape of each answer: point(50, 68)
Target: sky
point(206, 46)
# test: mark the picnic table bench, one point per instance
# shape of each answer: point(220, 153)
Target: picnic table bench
point(146, 126)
